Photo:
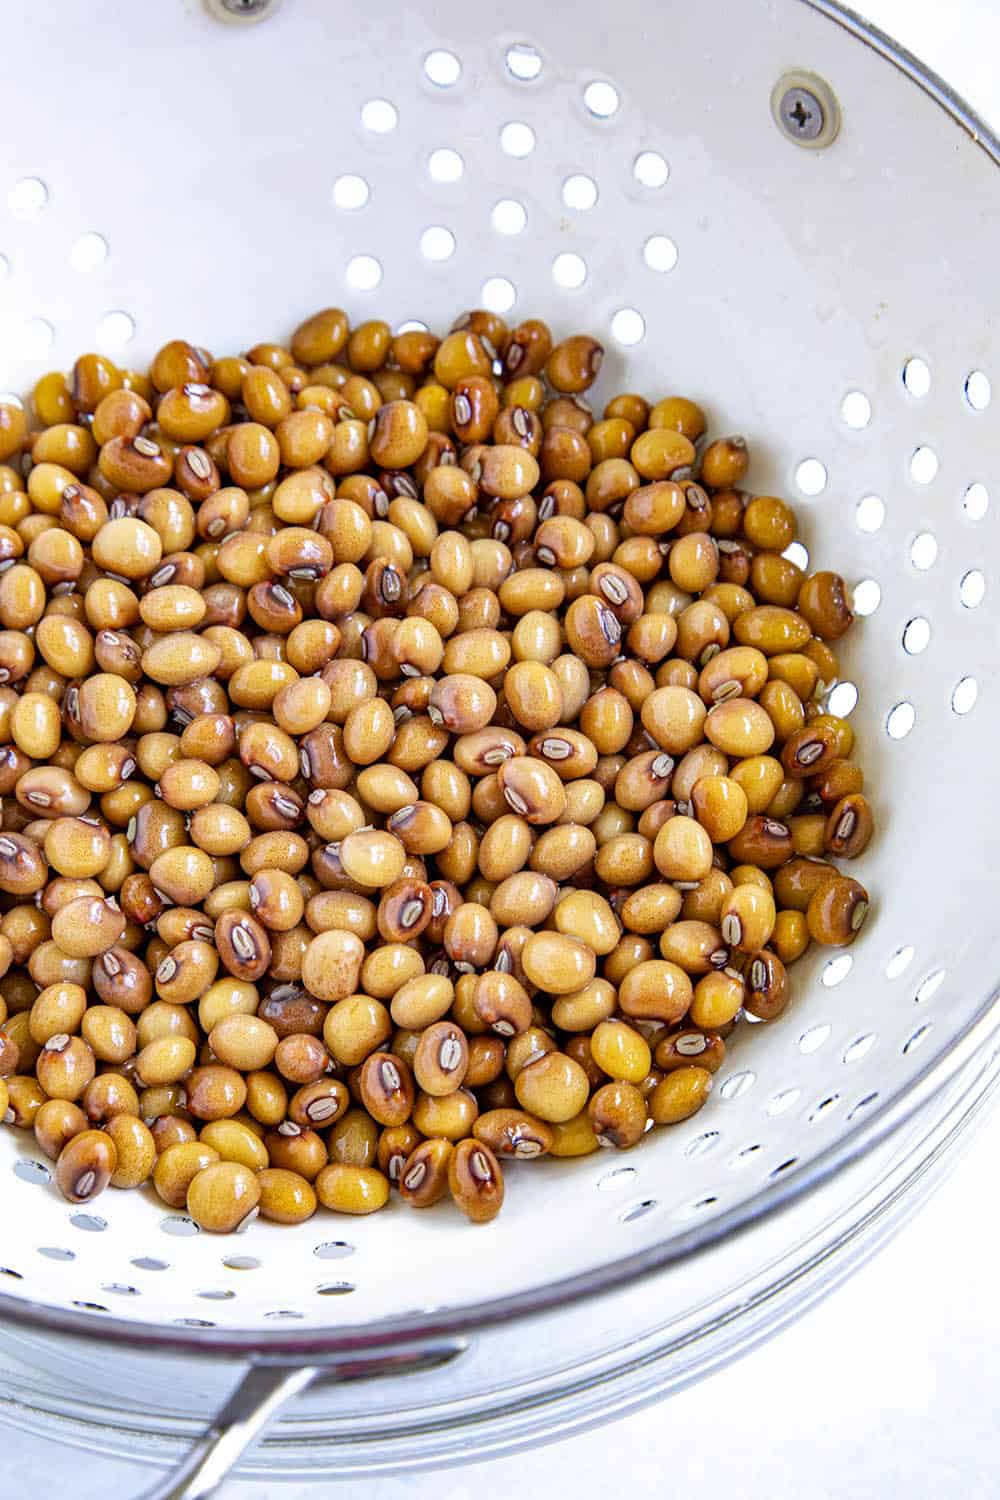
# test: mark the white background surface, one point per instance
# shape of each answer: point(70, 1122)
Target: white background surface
point(888, 1387)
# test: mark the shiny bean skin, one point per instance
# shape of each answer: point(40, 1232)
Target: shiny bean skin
point(405, 765)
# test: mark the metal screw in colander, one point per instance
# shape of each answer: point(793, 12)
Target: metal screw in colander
point(806, 109)
point(802, 113)
point(242, 10)
point(828, 302)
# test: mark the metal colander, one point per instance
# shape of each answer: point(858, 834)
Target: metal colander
point(766, 207)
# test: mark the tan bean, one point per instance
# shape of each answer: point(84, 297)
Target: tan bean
point(352, 1189)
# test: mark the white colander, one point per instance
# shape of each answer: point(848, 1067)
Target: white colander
point(645, 174)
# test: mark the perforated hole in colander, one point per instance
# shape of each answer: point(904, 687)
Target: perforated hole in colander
point(498, 294)
point(509, 216)
point(445, 164)
point(660, 253)
point(917, 377)
point(90, 251)
point(870, 512)
point(579, 192)
point(976, 501)
point(856, 410)
point(350, 191)
point(523, 62)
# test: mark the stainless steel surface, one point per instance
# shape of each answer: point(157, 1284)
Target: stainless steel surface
point(259, 1396)
point(558, 1375)
point(772, 268)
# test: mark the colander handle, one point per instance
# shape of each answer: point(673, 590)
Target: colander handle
point(261, 1393)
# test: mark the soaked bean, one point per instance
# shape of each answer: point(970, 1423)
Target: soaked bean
point(767, 986)
point(292, 1148)
point(618, 1116)
point(531, 789)
point(476, 1181)
point(243, 1041)
point(223, 1196)
point(655, 989)
point(525, 898)
point(441, 1059)
point(423, 1176)
point(684, 1047)
point(286, 1197)
point(674, 717)
point(849, 826)
point(739, 727)
point(165, 1060)
point(718, 997)
point(557, 963)
point(423, 1000)
point(695, 946)
point(621, 1051)
point(56, 1122)
point(349, 1189)
point(682, 850)
point(588, 917)
point(85, 1166)
point(799, 878)
point(65, 1066)
point(135, 1151)
point(679, 1095)
point(763, 842)
point(836, 912)
point(501, 1002)
point(748, 916)
point(553, 1087)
